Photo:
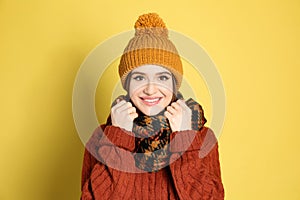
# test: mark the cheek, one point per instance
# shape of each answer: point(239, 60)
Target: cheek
point(167, 87)
point(134, 94)
point(169, 96)
point(132, 90)
point(135, 88)
point(167, 91)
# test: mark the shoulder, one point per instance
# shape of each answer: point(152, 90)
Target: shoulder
point(207, 141)
point(93, 143)
point(96, 135)
point(108, 135)
point(205, 135)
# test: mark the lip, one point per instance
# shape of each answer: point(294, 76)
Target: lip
point(151, 101)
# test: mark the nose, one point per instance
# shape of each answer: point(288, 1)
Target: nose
point(150, 89)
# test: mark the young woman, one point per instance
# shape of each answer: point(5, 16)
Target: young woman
point(149, 147)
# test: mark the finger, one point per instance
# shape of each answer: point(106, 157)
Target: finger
point(116, 102)
point(176, 106)
point(118, 105)
point(131, 110)
point(182, 103)
point(168, 115)
point(133, 116)
point(125, 107)
point(171, 110)
point(184, 106)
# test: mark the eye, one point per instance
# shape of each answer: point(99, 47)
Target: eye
point(138, 78)
point(163, 78)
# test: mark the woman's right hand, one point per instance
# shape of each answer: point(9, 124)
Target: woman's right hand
point(123, 114)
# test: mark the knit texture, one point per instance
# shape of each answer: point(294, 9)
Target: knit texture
point(152, 134)
point(187, 177)
point(150, 45)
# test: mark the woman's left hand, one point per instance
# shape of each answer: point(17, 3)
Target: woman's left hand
point(179, 116)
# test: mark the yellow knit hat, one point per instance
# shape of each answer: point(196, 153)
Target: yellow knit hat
point(150, 45)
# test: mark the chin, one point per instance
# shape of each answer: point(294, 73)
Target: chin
point(152, 111)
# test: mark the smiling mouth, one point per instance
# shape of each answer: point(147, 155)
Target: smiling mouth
point(151, 101)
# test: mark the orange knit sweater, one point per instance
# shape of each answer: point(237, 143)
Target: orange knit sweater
point(189, 177)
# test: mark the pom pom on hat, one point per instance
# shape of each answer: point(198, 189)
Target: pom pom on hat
point(152, 24)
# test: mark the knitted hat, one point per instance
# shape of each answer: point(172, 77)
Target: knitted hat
point(150, 45)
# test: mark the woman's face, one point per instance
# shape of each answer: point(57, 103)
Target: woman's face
point(151, 88)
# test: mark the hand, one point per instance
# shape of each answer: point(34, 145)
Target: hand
point(123, 114)
point(179, 116)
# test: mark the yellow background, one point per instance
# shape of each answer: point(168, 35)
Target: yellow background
point(254, 44)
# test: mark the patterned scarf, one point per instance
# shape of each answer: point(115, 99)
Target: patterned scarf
point(153, 135)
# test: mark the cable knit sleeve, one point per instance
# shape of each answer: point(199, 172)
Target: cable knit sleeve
point(119, 137)
point(195, 165)
point(89, 158)
point(113, 136)
point(107, 156)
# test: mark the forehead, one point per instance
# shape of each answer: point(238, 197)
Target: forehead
point(150, 69)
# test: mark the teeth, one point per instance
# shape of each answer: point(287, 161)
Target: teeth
point(151, 100)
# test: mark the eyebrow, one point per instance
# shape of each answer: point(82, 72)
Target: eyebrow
point(159, 73)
